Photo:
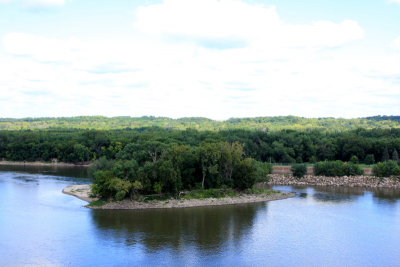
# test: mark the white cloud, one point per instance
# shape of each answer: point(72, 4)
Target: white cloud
point(170, 67)
point(394, 1)
point(43, 3)
point(226, 22)
point(36, 3)
point(396, 43)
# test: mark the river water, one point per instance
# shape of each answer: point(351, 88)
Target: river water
point(321, 226)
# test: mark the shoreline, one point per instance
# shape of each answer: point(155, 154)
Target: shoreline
point(82, 192)
point(42, 163)
point(350, 181)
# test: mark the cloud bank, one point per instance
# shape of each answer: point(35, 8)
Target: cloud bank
point(217, 59)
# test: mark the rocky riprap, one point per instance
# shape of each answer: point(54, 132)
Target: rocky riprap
point(351, 181)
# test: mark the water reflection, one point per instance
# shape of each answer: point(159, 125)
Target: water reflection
point(68, 171)
point(205, 228)
point(386, 195)
point(337, 194)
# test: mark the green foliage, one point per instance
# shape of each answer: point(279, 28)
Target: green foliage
point(385, 155)
point(354, 160)
point(369, 159)
point(299, 170)
point(262, 171)
point(261, 191)
point(264, 124)
point(337, 168)
point(245, 175)
point(176, 156)
point(210, 193)
point(386, 169)
point(101, 164)
point(97, 203)
point(395, 156)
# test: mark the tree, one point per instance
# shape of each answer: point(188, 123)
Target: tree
point(395, 156)
point(385, 155)
point(299, 170)
point(386, 169)
point(369, 159)
point(209, 155)
point(354, 160)
point(245, 174)
point(231, 155)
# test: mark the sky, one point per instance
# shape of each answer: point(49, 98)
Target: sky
point(205, 58)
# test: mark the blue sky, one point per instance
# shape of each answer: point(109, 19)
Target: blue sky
point(216, 59)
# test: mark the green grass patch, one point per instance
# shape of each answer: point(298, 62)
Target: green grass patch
point(156, 197)
point(261, 191)
point(97, 203)
point(210, 193)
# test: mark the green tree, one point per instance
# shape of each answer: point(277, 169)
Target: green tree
point(299, 170)
point(395, 156)
point(386, 169)
point(209, 155)
point(369, 159)
point(385, 155)
point(245, 174)
point(354, 159)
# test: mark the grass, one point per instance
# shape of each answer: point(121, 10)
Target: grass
point(220, 193)
point(97, 203)
point(156, 197)
point(261, 191)
point(199, 194)
point(210, 193)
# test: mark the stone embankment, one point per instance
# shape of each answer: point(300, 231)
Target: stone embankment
point(310, 170)
point(351, 181)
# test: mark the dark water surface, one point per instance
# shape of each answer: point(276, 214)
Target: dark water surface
point(321, 226)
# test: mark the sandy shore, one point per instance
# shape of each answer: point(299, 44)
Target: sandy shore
point(41, 163)
point(83, 192)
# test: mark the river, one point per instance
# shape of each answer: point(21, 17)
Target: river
point(321, 226)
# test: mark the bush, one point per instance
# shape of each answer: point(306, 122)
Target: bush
point(369, 159)
point(262, 171)
point(354, 160)
point(102, 164)
point(386, 169)
point(299, 170)
point(337, 168)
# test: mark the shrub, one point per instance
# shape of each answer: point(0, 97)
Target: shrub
point(369, 159)
point(102, 164)
point(336, 168)
point(299, 170)
point(354, 160)
point(262, 171)
point(386, 169)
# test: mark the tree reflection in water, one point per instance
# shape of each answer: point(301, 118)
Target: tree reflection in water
point(205, 228)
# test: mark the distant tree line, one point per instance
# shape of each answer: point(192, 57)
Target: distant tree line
point(276, 123)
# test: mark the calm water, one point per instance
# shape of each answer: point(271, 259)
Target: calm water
point(320, 227)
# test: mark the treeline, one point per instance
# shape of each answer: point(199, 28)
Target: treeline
point(276, 123)
point(156, 168)
point(286, 146)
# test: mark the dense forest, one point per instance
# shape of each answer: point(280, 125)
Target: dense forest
point(285, 146)
point(257, 123)
point(166, 160)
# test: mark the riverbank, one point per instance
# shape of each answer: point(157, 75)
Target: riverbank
point(42, 163)
point(350, 181)
point(83, 192)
